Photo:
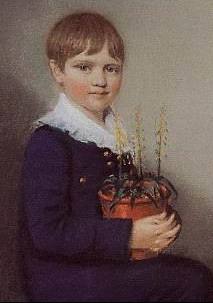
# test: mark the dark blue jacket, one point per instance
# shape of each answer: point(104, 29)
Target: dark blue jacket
point(65, 239)
point(71, 253)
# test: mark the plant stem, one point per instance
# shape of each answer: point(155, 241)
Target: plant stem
point(159, 158)
point(139, 145)
point(120, 168)
point(140, 169)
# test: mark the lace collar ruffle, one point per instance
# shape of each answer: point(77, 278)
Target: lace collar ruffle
point(68, 117)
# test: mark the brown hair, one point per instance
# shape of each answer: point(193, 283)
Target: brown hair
point(75, 33)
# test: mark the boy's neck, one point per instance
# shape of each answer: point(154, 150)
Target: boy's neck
point(97, 117)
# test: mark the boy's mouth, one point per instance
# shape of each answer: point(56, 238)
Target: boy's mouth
point(99, 93)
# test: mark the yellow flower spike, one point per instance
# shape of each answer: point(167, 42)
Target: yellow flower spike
point(139, 145)
point(161, 131)
point(121, 141)
point(120, 135)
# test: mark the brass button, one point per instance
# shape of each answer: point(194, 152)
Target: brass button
point(106, 153)
point(109, 163)
point(83, 180)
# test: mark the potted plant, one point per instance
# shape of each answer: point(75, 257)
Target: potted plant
point(134, 193)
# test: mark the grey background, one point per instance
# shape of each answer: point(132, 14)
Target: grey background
point(169, 60)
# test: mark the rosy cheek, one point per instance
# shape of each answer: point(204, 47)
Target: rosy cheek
point(115, 86)
point(79, 89)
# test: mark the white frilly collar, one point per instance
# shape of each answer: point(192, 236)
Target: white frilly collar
point(68, 117)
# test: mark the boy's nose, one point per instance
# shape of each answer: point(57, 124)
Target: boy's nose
point(99, 79)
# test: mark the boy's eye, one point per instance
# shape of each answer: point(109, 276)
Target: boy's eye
point(112, 69)
point(83, 67)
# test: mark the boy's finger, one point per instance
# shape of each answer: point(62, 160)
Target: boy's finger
point(171, 233)
point(170, 241)
point(163, 215)
point(157, 218)
point(168, 222)
point(162, 244)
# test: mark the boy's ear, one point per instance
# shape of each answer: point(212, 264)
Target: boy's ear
point(56, 72)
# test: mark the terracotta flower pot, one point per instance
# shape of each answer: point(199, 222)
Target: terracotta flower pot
point(125, 208)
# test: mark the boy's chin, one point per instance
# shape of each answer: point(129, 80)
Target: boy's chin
point(99, 107)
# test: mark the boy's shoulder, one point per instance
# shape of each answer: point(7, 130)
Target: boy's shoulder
point(48, 137)
point(49, 130)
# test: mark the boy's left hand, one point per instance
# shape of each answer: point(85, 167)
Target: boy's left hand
point(168, 231)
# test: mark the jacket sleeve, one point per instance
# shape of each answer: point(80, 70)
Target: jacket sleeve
point(46, 174)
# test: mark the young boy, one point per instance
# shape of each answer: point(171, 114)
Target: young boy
point(71, 252)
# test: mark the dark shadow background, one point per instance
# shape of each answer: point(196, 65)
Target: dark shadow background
point(26, 92)
point(13, 134)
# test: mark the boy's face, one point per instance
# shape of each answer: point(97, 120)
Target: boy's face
point(92, 81)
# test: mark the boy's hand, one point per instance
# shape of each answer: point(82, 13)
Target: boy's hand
point(155, 232)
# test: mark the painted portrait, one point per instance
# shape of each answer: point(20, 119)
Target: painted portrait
point(106, 108)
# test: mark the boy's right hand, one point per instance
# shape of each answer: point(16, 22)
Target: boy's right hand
point(154, 232)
